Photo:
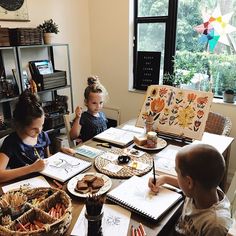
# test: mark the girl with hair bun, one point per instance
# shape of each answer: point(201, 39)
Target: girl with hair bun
point(89, 123)
point(23, 151)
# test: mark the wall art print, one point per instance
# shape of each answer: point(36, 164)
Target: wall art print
point(14, 10)
point(176, 111)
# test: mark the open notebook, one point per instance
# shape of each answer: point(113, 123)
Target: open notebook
point(62, 167)
point(135, 195)
point(116, 136)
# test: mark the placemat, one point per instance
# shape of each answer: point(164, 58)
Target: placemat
point(126, 171)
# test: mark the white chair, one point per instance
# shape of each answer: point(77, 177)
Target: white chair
point(231, 194)
point(112, 115)
point(68, 119)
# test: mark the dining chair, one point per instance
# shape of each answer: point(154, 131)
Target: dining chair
point(218, 124)
point(68, 119)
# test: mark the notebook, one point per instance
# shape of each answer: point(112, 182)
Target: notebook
point(62, 167)
point(116, 136)
point(135, 195)
point(165, 159)
point(88, 151)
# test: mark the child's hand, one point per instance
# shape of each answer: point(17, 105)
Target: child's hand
point(155, 187)
point(78, 111)
point(38, 165)
point(68, 151)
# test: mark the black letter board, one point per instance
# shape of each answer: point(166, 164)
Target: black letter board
point(148, 69)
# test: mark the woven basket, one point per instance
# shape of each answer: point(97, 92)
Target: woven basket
point(26, 36)
point(39, 212)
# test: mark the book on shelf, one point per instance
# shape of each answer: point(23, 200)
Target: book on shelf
point(135, 195)
point(62, 167)
point(116, 136)
point(165, 160)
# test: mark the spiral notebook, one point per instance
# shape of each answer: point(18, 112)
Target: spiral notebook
point(135, 195)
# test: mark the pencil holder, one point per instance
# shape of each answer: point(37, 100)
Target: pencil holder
point(94, 225)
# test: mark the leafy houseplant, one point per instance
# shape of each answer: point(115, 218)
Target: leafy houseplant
point(49, 28)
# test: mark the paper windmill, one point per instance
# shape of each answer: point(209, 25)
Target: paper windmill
point(215, 28)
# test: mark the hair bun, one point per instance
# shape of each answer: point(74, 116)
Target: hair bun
point(93, 80)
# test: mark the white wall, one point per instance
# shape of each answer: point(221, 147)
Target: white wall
point(72, 18)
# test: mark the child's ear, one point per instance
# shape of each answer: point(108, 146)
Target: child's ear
point(190, 182)
point(85, 102)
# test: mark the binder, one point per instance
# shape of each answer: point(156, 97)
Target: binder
point(135, 195)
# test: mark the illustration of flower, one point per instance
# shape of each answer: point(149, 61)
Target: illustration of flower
point(163, 92)
point(191, 97)
point(157, 105)
point(186, 116)
point(200, 114)
point(201, 102)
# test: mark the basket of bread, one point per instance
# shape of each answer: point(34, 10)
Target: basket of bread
point(36, 211)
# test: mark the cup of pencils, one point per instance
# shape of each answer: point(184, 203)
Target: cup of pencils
point(94, 215)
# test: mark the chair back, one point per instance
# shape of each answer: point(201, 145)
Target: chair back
point(68, 119)
point(218, 124)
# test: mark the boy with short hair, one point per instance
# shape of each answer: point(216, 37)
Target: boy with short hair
point(200, 169)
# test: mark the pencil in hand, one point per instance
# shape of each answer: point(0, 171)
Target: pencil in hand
point(154, 172)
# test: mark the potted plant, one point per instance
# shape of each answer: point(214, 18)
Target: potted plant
point(49, 29)
point(228, 96)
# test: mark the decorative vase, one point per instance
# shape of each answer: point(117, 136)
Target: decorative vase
point(48, 38)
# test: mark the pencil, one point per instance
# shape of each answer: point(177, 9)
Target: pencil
point(58, 184)
point(37, 154)
point(154, 172)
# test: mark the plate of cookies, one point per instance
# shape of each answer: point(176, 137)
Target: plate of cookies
point(86, 184)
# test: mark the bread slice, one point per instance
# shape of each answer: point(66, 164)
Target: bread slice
point(81, 185)
point(97, 183)
point(89, 178)
point(141, 141)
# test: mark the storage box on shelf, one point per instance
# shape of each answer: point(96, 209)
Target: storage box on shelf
point(4, 37)
point(26, 36)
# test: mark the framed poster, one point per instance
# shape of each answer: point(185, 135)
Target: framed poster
point(14, 10)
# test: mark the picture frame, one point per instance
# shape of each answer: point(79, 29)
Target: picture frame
point(16, 10)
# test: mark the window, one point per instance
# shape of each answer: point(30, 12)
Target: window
point(202, 57)
point(154, 40)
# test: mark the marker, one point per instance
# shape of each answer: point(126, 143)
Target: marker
point(107, 145)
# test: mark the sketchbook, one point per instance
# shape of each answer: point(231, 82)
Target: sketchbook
point(135, 195)
point(116, 136)
point(62, 167)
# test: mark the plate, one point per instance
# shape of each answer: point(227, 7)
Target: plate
point(72, 183)
point(161, 143)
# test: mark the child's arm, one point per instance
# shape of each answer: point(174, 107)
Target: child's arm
point(10, 174)
point(76, 127)
point(163, 179)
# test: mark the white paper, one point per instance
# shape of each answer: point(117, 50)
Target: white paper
point(109, 156)
point(138, 165)
point(165, 159)
point(112, 167)
point(135, 194)
point(115, 222)
point(35, 182)
point(62, 167)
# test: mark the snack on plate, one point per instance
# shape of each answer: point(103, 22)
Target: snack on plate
point(141, 141)
point(89, 183)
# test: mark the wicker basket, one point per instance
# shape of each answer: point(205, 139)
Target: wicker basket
point(38, 211)
point(26, 36)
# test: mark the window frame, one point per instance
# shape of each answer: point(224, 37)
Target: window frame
point(170, 35)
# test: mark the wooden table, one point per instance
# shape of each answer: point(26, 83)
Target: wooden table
point(222, 143)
